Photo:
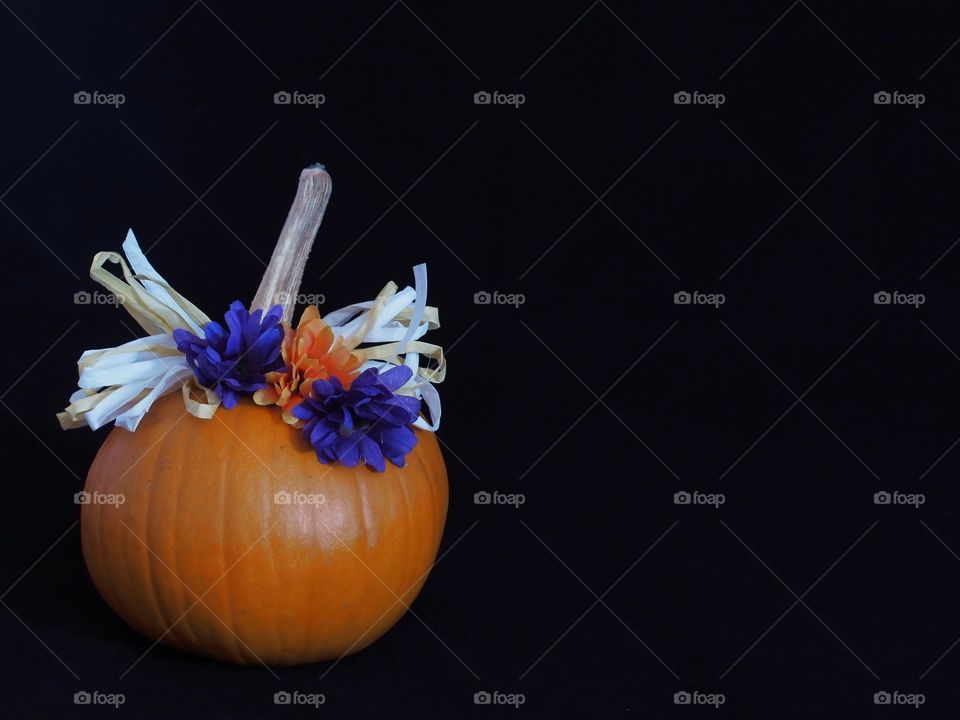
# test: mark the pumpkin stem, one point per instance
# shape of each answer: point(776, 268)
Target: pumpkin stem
point(281, 281)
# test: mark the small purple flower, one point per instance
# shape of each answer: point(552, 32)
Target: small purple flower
point(367, 421)
point(234, 363)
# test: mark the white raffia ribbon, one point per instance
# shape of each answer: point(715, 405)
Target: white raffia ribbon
point(122, 383)
point(392, 324)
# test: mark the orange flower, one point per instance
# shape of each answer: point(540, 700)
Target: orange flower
point(310, 352)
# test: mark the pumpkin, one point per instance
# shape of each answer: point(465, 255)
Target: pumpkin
point(233, 542)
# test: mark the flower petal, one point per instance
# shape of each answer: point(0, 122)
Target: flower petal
point(372, 455)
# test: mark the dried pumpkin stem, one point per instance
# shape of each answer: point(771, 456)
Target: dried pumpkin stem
point(281, 281)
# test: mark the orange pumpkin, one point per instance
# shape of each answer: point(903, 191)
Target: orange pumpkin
point(203, 554)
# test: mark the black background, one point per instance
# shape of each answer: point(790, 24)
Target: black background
point(598, 398)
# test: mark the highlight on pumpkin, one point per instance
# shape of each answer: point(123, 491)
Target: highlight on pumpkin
point(255, 354)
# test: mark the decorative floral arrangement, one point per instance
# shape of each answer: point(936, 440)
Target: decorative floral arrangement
point(311, 562)
point(352, 381)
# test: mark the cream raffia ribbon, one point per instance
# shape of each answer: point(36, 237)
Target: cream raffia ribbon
point(397, 320)
point(122, 383)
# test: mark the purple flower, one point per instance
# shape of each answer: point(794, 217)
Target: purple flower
point(233, 363)
point(365, 422)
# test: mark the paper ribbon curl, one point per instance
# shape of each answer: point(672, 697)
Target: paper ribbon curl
point(122, 383)
point(397, 320)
